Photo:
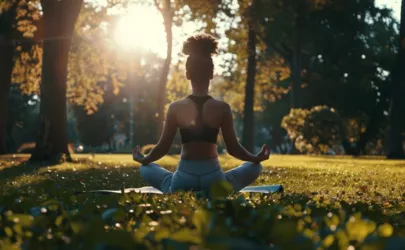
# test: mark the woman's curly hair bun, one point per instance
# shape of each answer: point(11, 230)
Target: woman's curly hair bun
point(201, 44)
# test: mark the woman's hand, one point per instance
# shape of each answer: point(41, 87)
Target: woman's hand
point(263, 155)
point(137, 155)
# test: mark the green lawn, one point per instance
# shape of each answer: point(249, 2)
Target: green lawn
point(328, 203)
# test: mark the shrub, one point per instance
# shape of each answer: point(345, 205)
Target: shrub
point(316, 131)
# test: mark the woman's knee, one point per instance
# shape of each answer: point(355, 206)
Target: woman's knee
point(146, 171)
point(156, 176)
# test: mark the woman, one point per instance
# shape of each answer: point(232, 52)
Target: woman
point(199, 118)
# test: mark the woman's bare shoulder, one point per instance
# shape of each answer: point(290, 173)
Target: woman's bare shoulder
point(221, 104)
point(185, 102)
point(178, 104)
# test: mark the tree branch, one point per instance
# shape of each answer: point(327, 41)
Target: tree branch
point(157, 6)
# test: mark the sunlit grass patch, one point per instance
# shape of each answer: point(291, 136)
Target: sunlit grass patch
point(329, 203)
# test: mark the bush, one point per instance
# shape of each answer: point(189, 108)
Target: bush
point(318, 130)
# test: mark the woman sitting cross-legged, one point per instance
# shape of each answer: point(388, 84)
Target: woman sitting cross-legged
point(199, 118)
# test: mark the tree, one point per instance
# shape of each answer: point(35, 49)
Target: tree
point(7, 20)
point(336, 51)
point(397, 117)
point(356, 48)
point(94, 59)
point(287, 32)
point(166, 10)
point(92, 56)
point(59, 21)
point(248, 118)
point(251, 76)
point(295, 30)
point(18, 21)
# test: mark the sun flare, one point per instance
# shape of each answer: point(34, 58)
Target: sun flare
point(141, 29)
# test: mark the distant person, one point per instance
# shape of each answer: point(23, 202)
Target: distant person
point(199, 118)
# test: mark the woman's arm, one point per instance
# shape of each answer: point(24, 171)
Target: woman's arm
point(232, 144)
point(166, 139)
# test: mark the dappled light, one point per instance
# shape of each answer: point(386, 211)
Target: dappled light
point(337, 194)
point(195, 124)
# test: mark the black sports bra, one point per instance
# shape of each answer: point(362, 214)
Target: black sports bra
point(199, 132)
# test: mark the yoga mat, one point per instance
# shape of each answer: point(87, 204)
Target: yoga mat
point(152, 190)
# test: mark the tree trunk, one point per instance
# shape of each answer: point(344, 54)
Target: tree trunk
point(397, 116)
point(248, 113)
point(7, 19)
point(296, 81)
point(161, 101)
point(295, 101)
point(296, 68)
point(59, 21)
point(6, 67)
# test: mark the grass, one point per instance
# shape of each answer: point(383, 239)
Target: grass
point(328, 203)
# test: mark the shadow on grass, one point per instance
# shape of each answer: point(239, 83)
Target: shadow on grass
point(62, 184)
point(18, 166)
point(42, 181)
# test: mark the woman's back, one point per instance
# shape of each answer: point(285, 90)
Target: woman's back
point(205, 122)
point(199, 118)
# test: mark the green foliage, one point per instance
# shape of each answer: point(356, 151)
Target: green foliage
point(21, 26)
point(27, 68)
point(92, 59)
point(338, 206)
point(342, 55)
point(317, 130)
point(271, 70)
point(220, 190)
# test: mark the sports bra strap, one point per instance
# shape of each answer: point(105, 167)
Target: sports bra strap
point(199, 102)
point(199, 132)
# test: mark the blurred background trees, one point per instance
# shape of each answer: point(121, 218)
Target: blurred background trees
point(317, 77)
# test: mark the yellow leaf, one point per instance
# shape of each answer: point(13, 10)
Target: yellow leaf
point(385, 230)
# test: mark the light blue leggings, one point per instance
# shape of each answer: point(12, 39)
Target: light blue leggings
point(198, 175)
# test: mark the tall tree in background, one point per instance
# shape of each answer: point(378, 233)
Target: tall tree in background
point(289, 34)
point(248, 114)
point(7, 20)
point(59, 19)
point(344, 71)
point(397, 117)
point(91, 59)
point(166, 10)
point(251, 76)
point(18, 48)
point(336, 56)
